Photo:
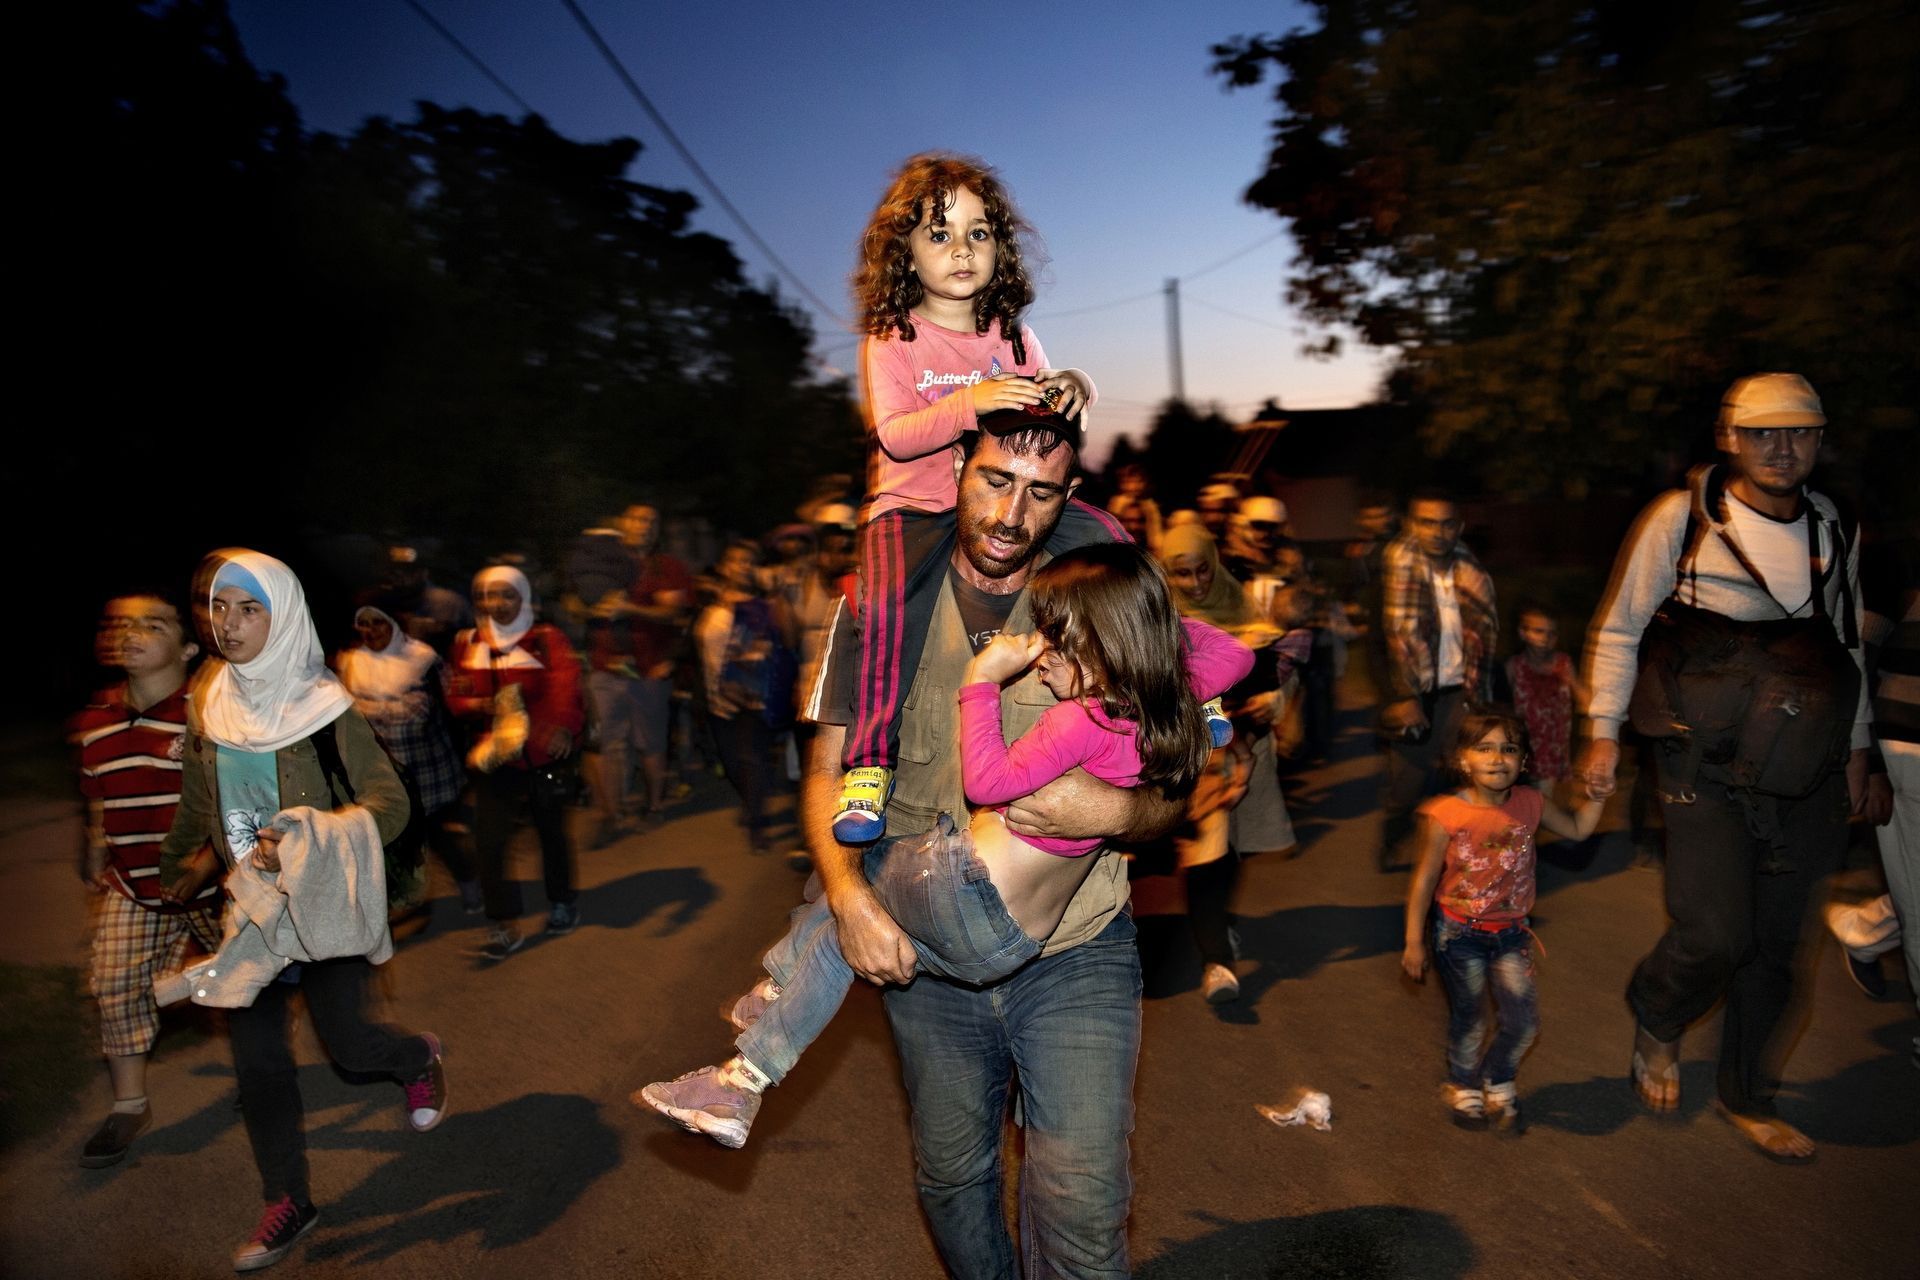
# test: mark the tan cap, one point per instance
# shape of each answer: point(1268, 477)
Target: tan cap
point(1772, 400)
point(1264, 510)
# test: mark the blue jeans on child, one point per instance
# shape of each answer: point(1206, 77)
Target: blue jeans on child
point(1465, 956)
point(937, 891)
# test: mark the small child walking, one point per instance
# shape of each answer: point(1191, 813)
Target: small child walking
point(941, 287)
point(1471, 894)
point(1546, 693)
point(1129, 675)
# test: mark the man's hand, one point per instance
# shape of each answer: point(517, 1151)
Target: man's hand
point(195, 870)
point(1078, 806)
point(93, 868)
point(1598, 766)
point(559, 744)
point(1005, 656)
point(1857, 780)
point(874, 946)
point(1879, 799)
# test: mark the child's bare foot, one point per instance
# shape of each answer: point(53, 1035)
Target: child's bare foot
point(1775, 1138)
point(1656, 1071)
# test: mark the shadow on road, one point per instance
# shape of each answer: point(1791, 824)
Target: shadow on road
point(1290, 944)
point(503, 1175)
point(1382, 1240)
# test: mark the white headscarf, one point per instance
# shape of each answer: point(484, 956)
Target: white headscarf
point(492, 634)
point(286, 691)
point(392, 672)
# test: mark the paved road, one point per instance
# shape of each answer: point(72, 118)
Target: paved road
point(543, 1168)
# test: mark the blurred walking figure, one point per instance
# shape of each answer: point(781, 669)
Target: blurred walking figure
point(399, 684)
point(659, 605)
point(1133, 506)
point(285, 788)
point(1438, 629)
point(424, 609)
point(131, 741)
point(749, 680)
point(1547, 692)
point(1731, 635)
point(516, 684)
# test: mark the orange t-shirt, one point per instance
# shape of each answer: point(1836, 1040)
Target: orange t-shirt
point(1490, 854)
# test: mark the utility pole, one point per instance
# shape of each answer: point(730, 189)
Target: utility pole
point(1177, 374)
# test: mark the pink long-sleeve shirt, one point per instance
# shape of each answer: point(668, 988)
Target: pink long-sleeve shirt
point(1077, 733)
point(913, 415)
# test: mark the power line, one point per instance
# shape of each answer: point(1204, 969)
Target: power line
point(471, 56)
point(1237, 315)
point(686, 155)
point(1132, 298)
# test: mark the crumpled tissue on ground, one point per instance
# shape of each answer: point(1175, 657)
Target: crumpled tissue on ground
point(1309, 1107)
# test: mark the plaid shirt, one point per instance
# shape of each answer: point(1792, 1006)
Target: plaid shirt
point(1411, 622)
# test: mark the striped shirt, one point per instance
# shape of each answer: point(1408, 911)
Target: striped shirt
point(130, 775)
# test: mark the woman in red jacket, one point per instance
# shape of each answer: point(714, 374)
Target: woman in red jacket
point(517, 686)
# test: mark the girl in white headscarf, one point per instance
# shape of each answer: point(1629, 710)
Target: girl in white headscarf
point(516, 685)
point(399, 685)
point(251, 753)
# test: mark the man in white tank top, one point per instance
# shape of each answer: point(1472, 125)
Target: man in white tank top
point(1741, 865)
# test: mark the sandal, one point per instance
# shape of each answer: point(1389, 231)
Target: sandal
point(1772, 1138)
point(1658, 1090)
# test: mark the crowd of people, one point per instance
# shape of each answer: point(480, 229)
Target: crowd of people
point(994, 697)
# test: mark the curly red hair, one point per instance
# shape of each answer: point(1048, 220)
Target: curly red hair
point(885, 288)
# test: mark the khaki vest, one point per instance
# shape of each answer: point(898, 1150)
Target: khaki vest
point(927, 779)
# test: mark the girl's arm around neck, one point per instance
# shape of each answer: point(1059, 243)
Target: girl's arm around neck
point(1215, 660)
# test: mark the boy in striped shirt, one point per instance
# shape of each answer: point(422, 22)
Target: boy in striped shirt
point(130, 743)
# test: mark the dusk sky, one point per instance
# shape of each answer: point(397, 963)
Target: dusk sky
point(1127, 156)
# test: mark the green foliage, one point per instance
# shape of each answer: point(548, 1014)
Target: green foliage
point(1184, 449)
point(458, 325)
point(1577, 223)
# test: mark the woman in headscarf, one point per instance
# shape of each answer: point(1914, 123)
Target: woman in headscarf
point(270, 729)
point(399, 684)
point(1237, 804)
point(516, 683)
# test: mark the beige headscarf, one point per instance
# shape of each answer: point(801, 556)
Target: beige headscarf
point(1225, 604)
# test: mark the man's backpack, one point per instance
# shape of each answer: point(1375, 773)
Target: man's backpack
point(406, 853)
point(1770, 702)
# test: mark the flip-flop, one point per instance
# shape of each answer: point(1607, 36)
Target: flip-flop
point(1752, 1127)
point(1638, 1074)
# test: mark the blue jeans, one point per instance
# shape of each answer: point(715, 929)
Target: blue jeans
point(934, 888)
point(1465, 956)
point(1067, 1027)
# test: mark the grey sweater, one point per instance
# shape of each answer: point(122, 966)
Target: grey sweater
point(327, 901)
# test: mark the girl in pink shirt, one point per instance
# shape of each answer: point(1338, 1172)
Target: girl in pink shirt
point(941, 287)
point(979, 903)
point(1476, 879)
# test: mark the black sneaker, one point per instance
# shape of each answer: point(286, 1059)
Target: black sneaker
point(110, 1141)
point(563, 919)
point(282, 1223)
